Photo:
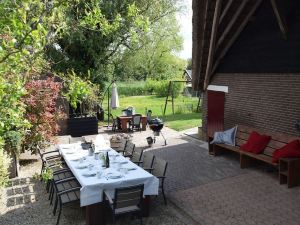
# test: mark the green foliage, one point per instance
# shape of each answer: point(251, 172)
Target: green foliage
point(161, 88)
point(132, 88)
point(47, 174)
point(81, 91)
point(12, 110)
point(94, 32)
point(13, 142)
point(4, 164)
point(153, 57)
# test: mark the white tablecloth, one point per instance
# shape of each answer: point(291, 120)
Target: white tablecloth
point(92, 187)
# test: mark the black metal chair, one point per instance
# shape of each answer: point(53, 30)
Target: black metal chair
point(137, 156)
point(159, 170)
point(121, 147)
point(116, 125)
point(57, 176)
point(148, 161)
point(129, 149)
point(135, 123)
point(67, 193)
point(127, 200)
point(50, 158)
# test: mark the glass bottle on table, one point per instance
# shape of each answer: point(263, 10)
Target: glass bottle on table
point(107, 160)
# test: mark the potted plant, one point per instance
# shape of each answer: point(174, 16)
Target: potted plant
point(82, 97)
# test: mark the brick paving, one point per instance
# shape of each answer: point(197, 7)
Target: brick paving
point(246, 199)
point(190, 166)
point(215, 191)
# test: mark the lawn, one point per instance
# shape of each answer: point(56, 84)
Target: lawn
point(185, 116)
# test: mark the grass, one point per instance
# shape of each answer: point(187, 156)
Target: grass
point(185, 116)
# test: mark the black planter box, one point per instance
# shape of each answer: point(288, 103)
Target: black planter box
point(81, 126)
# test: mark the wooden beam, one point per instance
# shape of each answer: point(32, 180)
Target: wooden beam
point(236, 34)
point(199, 10)
point(280, 18)
point(225, 10)
point(232, 22)
point(212, 43)
point(205, 28)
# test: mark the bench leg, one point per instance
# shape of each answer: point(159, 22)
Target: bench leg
point(217, 150)
point(210, 146)
point(246, 161)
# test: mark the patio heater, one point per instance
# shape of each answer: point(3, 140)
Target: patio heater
point(113, 101)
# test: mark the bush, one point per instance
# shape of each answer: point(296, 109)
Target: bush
point(158, 87)
point(150, 85)
point(131, 88)
point(161, 88)
point(4, 164)
point(42, 112)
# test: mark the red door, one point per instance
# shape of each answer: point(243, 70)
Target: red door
point(215, 112)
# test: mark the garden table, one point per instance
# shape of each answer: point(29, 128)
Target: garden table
point(124, 120)
point(91, 192)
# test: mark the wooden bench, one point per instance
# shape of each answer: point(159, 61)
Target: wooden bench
point(248, 159)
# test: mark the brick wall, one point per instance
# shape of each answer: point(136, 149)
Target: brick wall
point(270, 101)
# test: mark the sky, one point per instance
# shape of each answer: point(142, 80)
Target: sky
point(185, 21)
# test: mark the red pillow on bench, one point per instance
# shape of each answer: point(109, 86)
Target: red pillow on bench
point(290, 150)
point(256, 143)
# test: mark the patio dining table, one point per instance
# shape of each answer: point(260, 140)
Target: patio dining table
point(124, 120)
point(93, 178)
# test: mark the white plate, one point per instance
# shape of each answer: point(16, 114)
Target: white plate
point(129, 168)
point(114, 175)
point(81, 166)
point(89, 174)
point(75, 160)
point(69, 152)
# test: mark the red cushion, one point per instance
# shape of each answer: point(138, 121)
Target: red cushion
point(290, 150)
point(256, 143)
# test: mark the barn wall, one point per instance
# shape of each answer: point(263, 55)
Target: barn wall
point(269, 101)
point(261, 48)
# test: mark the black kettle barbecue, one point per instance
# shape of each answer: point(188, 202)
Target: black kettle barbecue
point(156, 125)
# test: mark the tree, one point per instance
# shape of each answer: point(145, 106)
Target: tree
point(155, 57)
point(95, 30)
point(24, 29)
point(98, 32)
point(189, 64)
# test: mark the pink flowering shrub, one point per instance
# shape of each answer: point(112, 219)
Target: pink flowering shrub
point(42, 112)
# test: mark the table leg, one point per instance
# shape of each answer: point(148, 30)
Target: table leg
point(124, 125)
point(146, 206)
point(144, 124)
point(95, 214)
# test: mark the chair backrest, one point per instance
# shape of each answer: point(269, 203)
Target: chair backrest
point(128, 196)
point(149, 113)
point(137, 155)
point(160, 167)
point(123, 144)
point(136, 119)
point(129, 147)
point(148, 160)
